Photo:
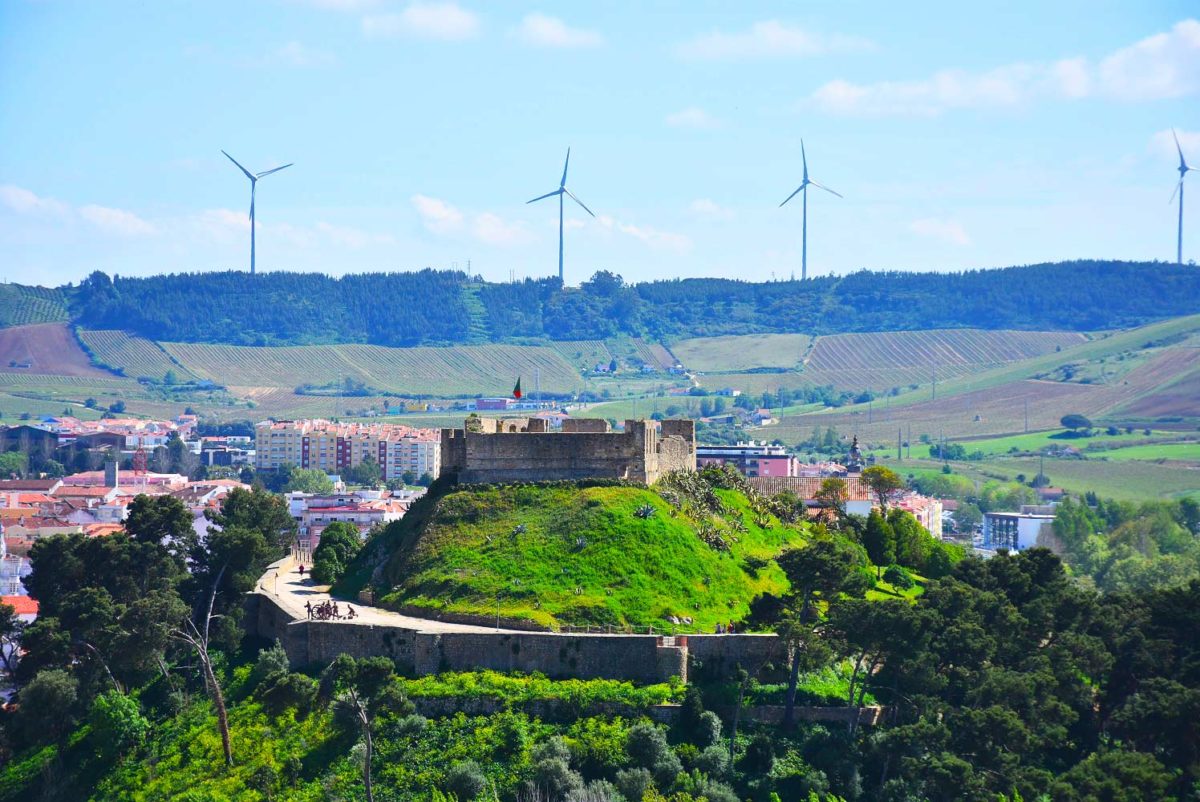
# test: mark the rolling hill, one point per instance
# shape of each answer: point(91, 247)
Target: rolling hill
point(569, 555)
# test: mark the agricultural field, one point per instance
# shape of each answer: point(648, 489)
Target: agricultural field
point(1157, 452)
point(740, 353)
point(653, 354)
point(135, 356)
point(583, 354)
point(21, 305)
point(44, 348)
point(437, 372)
point(883, 360)
point(13, 406)
point(1100, 444)
point(754, 384)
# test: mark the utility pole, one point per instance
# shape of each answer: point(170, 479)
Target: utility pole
point(899, 445)
point(910, 441)
point(870, 409)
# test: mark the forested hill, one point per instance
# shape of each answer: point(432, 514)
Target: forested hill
point(442, 307)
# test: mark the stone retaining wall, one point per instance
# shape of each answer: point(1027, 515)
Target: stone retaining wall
point(638, 658)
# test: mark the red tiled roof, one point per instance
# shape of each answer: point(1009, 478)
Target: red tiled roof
point(23, 605)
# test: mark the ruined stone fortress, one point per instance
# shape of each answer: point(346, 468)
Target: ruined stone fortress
point(491, 450)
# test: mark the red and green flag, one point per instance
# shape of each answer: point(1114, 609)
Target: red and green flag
point(517, 389)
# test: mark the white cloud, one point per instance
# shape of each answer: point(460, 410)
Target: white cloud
point(546, 31)
point(436, 215)
point(23, 201)
point(947, 231)
point(706, 209)
point(494, 230)
point(446, 21)
point(116, 221)
point(1163, 144)
point(294, 54)
point(1166, 65)
point(352, 237)
point(659, 240)
point(768, 39)
point(692, 117)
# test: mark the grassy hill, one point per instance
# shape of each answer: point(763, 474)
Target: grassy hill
point(619, 555)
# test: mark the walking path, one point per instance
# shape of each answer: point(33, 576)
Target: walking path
point(283, 583)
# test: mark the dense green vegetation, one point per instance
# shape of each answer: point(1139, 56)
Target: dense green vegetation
point(1122, 546)
point(290, 308)
point(607, 555)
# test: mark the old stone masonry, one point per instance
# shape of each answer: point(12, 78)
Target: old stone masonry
point(276, 610)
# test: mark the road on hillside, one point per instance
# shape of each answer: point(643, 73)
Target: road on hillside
point(283, 583)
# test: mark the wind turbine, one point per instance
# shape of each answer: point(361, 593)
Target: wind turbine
point(560, 192)
point(253, 185)
point(1183, 171)
point(804, 185)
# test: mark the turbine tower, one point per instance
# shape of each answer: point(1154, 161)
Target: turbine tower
point(804, 185)
point(1183, 171)
point(253, 185)
point(560, 192)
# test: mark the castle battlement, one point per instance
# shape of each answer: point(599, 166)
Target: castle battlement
point(499, 450)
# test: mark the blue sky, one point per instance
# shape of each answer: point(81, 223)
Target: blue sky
point(960, 138)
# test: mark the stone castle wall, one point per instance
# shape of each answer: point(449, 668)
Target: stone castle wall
point(637, 658)
point(489, 450)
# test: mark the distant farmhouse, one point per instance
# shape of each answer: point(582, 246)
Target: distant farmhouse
point(490, 450)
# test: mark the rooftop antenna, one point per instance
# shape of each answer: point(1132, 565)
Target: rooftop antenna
point(560, 192)
point(1184, 169)
point(253, 185)
point(804, 185)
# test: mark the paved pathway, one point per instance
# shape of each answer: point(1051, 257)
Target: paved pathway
point(283, 583)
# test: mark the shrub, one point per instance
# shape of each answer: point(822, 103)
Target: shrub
point(465, 780)
point(271, 661)
point(117, 724)
point(713, 761)
point(898, 577)
point(289, 690)
point(634, 783)
point(760, 756)
point(596, 791)
point(554, 778)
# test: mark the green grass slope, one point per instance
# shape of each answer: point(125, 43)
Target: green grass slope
point(559, 555)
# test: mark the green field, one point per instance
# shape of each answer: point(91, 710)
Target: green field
point(739, 353)
point(1175, 452)
point(1036, 442)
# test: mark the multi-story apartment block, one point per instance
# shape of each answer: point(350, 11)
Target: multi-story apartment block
point(334, 447)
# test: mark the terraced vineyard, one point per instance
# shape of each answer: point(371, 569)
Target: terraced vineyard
point(897, 359)
point(21, 305)
point(458, 371)
point(584, 354)
point(135, 356)
point(653, 354)
point(736, 353)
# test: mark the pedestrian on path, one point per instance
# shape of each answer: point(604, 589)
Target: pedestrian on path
point(308, 608)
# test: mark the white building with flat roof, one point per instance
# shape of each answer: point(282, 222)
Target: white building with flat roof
point(1015, 531)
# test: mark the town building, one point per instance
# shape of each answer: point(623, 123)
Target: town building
point(1017, 531)
point(336, 447)
point(752, 459)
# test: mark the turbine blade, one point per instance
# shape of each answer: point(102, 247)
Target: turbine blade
point(1177, 147)
point(794, 194)
point(804, 159)
point(547, 195)
point(275, 170)
point(252, 204)
point(577, 200)
point(240, 167)
point(1175, 191)
point(566, 164)
point(827, 189)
